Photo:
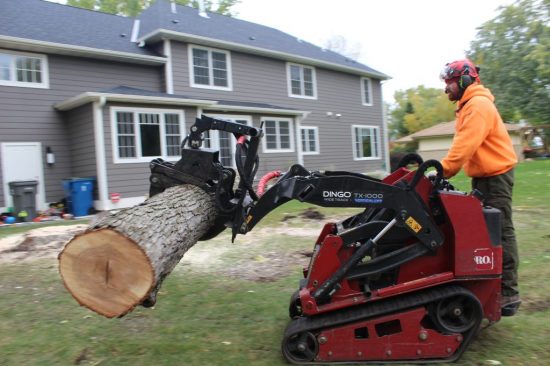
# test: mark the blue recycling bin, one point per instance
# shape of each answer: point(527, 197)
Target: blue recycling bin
point(79, 195)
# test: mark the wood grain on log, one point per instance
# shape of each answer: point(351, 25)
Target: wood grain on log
point(121, 261)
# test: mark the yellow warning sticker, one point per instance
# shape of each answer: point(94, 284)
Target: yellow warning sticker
point(248, 218)
point(413, 224)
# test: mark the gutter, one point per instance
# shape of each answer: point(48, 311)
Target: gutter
point(93, 97)
point(72, 50)
point(238, 108)
point(160, 34)
point(88, 97)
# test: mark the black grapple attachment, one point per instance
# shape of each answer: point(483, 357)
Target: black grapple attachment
point(201, 167)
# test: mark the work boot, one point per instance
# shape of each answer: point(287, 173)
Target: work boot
point(509, 305)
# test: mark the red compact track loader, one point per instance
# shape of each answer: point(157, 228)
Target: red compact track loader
point(409, 279)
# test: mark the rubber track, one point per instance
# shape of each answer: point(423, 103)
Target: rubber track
point(377, 309)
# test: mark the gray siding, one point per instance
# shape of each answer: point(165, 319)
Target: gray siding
point(264, 80)
point(80, 128)
point(27, 114)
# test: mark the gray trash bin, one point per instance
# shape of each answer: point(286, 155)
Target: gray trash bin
point(24, 199)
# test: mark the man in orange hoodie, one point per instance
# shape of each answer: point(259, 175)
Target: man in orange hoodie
point(482, 147)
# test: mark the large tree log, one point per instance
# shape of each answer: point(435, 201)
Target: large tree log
point(121, 261)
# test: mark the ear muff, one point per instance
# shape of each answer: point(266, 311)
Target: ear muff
point(465, 81)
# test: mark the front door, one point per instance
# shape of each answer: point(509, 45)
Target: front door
point(22, 161)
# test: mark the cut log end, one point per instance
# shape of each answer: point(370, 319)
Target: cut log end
point(122, 260)
point(106, 272)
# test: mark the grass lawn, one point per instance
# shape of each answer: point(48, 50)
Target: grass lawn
point(208, 314)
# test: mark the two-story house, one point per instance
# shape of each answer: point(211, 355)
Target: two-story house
point(105, 94)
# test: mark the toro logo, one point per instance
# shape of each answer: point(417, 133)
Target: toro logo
point(484, 259)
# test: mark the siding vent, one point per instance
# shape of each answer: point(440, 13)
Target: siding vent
point(175, 21)
point(123, 35)
point(252, 38)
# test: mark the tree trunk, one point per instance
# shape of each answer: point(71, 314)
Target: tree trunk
point(121, 261)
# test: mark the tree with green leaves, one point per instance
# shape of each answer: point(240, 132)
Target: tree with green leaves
point(419, 108)
point(513, 51)
point(134, 7)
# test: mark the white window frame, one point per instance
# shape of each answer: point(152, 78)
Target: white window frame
point(139, 158)
point(211, 85)
point(363, 99)
point(215, 134)
point(378, 147)
point(45, 84)
point(302, 89)
point(291, 135)
point(316, 133)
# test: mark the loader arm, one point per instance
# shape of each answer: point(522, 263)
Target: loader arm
point(343, 189)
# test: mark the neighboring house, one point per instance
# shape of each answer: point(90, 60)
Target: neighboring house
point(107, 94)
point(434, 142)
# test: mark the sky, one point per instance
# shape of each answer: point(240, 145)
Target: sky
point(408, 40)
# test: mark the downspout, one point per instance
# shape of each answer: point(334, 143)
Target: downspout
point(168, 72)
point(385, 134)
point(299, 140)
point(299, 150)
point(101, 163)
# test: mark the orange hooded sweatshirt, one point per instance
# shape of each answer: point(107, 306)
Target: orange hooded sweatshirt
point(481, 143)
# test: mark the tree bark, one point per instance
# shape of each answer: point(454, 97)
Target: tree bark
point(121, 261)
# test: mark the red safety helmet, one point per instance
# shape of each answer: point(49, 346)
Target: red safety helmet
point(459, 68)
point(464, 72)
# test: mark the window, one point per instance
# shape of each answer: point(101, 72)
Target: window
point(366, 142)
point(224, 141)
point(366, 91)
point(144, 134)
point(301, 81)
point(310, 140)
point(209, 68)
point(23, 69)
point(278, 135)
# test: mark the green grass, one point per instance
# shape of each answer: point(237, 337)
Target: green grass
point(531, 184)
point(210, 315)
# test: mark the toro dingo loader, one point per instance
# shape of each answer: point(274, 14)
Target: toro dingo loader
point(409, 279)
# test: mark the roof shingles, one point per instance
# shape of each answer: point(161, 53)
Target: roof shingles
point(51, 22)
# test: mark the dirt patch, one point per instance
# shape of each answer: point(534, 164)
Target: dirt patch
point(266, 267)
point(309, 214)
point(38, 243)
point(535, 305)
point(312, 214)
point(254, 264)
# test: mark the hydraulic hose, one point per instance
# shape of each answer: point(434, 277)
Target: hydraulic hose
point(265, 179)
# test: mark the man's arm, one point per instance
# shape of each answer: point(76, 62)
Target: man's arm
point(468, 137)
